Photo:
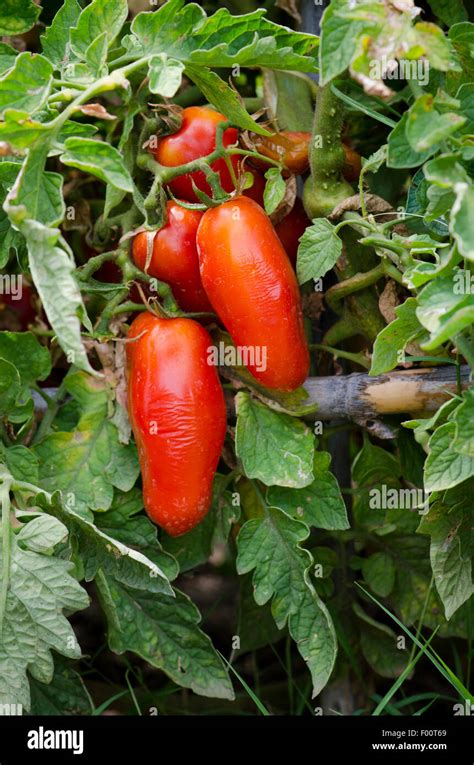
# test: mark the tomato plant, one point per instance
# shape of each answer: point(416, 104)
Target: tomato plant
point(236, 343)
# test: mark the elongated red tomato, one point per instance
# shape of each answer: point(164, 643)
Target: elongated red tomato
point(177, 411)
point(252, 286)
point(196, 138)
point(174, 257)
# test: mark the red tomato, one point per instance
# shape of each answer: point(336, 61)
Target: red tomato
point(16, 306)
point(252, 286)
point(174, 257)
point(291, 229)
point(178, 416)
point(196, 138)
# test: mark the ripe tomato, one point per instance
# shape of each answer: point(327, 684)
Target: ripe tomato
point(252, 286)
point(196, 138)
point(174, 257)
point(291, 229)
point(16, 307)
point(289, 146)
point(178, 416)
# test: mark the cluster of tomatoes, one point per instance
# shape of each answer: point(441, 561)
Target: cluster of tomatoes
point(229, 260)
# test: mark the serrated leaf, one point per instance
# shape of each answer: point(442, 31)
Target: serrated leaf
point(55, 41)
point(338, 40)
point(400, 153)
point(450, 530)
point(98, 17)
point(319, 250)
point(99, 551)
point(165, 75)
point(274, 190)
point(444, 467)
point(99, 159)
point(320, 504)
point(9, 386)
point(40, 587)
point(392, 340)
point(275, 448)
point(27, 85)
point(426, 127)
point(164, 632)
point(186, 33)
point(7, 57)
point(379, 573)
point(87, 463)
point(42, 534)
point(18, 16)
point(66, 694)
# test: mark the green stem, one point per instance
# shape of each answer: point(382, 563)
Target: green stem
point(128, 306)
point(93, 264)
point(357, 358)
point(335, 294)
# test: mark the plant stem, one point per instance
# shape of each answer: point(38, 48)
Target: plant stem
point(357, 358)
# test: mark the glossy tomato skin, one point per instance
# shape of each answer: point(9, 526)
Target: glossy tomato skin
point(291, 229)
point(252, 286)
point(196, 138)
point(174, 258)
point(178, 416)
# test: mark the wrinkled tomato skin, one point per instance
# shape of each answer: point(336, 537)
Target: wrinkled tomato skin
point(197, 138)
point(178, 416)
point(289, 147)
point(291, 229)
point(253, 289)
point(174, 257)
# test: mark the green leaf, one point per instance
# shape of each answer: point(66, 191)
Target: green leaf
point(9, 386)
point(271, 545)
point(444, 466)
point(40, 587)
point(55, 41)
point(52, 271)
point(379, 646)
point(449, 11)
point(224, 98)
point(87, 463)
point(96, 55)
point(400, 152)
point(379, 573)
point(256, 627)
point(22, 463)
point(464, 420)
point(445, 170)
point(426, 127)
point(275, 448)
point(165, 75)
point(164, 632)
point(99, 551)
point(99, 159)
point(18, 16)
point(274, 190)
point(66, 694)
point(98, 17)
point(42, 534)
point(450, 552)
point(320, 504)
point(319, 250)
point(392, 340)
point(461, 220)
point(184, 32)
point(7, 57)
point(21, 131)
point(31, 359)
point(27, 85)
point(339, 36)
